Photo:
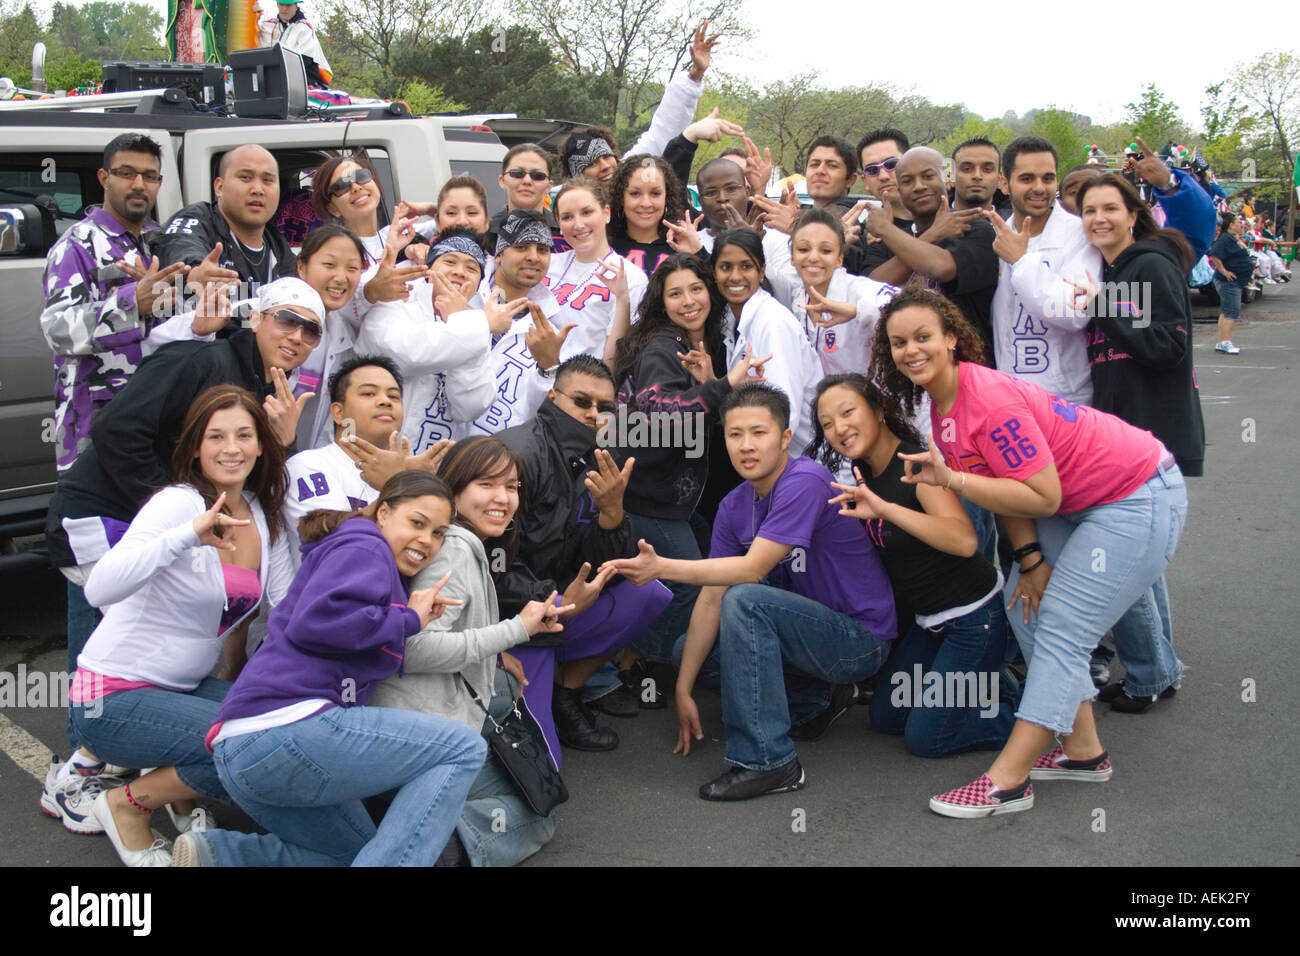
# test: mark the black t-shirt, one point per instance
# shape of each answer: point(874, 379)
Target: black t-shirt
point(929, 580)
point(646, 255)
point(1234, 257)
point(976, 280)
point(865, 256)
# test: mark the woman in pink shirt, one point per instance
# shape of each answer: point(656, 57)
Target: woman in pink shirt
point(1094, 509)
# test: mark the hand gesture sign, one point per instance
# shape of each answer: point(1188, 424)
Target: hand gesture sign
point(581, 593)
point(931, 469)
point(699, 364)
point(853, 228)
point(702, 51)
point(543, 342)
point(640, 570)
point(428, 603)
point(858, 501)
point(607, 482)
point(540, 617)
point(447, 299)
point(1151, 167)
point(210, 270)
point(825, 312)
point(779, 215)
point(213, 309)
point(391, 283)
point(501, 314)
point(684, 236)
point(283, 409)
point(400, 232)
point(711, 128)
point(153, 286)
point(758, 169)
point(950, 224)
point(1011, 243)
point(880, 219)
point(414, 210)
point(738, 374)
point(614, 276)
point(1085, 292)
point(212, 525)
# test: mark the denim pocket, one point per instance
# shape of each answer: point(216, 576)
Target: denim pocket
point(285, 777)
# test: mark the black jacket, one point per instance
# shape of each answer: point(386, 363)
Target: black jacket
point(192, 233)
point(559, 530)
point(1140, 348)
point(134, 436)
point(666, 481)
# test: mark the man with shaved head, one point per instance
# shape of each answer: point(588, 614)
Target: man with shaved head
point(951, 251)
point(252, 252)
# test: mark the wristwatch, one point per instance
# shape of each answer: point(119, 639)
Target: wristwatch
point(1171, 186)
point(547, 372)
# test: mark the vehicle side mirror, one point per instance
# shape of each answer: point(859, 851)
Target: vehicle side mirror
point(25, 230)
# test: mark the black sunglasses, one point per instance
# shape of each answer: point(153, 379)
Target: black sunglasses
point(873, 169)
point(342, 185)
point(584, 403)
point(286, 320)
point(536, 175)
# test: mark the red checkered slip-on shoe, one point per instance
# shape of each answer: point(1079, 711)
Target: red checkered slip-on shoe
point(982, 798)
point(1055, 765)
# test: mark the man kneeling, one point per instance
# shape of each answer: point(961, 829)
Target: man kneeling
point(793, 595)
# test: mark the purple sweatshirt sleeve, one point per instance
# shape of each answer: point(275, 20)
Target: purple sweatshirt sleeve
point(352, 610)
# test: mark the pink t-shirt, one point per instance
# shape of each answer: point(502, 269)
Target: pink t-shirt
point(1008, 428)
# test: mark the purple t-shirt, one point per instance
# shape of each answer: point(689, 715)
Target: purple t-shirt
point(831, 560)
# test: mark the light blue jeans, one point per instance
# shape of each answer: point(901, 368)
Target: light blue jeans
point(1104, 561)
point(1144, 643)
point(304, 782)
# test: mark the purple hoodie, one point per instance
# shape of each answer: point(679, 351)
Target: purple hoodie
point(340, 630)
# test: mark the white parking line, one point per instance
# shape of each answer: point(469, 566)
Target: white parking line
point(24, 749)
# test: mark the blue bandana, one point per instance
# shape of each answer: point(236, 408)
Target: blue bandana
point(522, 226)
point(463, 244)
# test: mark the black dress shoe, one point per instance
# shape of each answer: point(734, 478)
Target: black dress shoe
point(842, 697)
point(619, 702)
point(741, 784)
point(575, 724)
point(1124, 702)
point(650, 682)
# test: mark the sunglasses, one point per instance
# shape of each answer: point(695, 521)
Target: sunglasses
point(343, 185)
point(536, 175)
point(873, 170)
point(127, 173)
point(583, 403)
point(286, 320)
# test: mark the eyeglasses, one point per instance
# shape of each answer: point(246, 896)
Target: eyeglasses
point(128, 173)
point(536, 175)
point(872, 170)
point(342, 185)
point(286, 320)
point(584, 403)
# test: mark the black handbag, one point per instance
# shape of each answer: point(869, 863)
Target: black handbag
point(520, 746)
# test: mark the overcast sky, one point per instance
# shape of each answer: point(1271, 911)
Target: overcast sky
point(1001, 55)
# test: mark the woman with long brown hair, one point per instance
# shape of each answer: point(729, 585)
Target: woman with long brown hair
point(192, 567)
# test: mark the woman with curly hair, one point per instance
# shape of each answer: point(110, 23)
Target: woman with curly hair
point(1094, 509)
point(644, 193)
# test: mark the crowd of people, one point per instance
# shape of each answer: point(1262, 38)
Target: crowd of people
point(449, 468)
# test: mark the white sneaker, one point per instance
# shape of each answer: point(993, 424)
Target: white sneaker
point(197, 819)
point(70, 801)
point(1227, 348)
point(185, 851)
point(157, 853)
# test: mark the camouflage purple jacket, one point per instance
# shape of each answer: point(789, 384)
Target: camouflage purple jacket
point(93, 326)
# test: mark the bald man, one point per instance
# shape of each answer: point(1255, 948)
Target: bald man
point(247, 191)
point(951, 250)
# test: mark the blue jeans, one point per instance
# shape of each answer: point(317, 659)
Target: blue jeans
point(1104, 561)
point(1144, 643)
point(781, 654)
point(156, 728)
point(497, 825)
point(1229, 297)
point(969, 645)
point(304, 783)
point(82, 621)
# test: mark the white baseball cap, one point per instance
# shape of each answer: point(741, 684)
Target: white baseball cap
point(290, 291)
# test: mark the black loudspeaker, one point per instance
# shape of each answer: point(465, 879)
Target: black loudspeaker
point(204, 83)
point(269, 82)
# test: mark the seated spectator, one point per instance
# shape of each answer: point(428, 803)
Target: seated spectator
point(928, 546)
point(575, 522)
point(295, 743)
point(788, 651)
point(185, 577)
point(450, 667)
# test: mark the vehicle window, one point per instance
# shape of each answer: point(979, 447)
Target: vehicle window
point(64, 183)
point(487, 172)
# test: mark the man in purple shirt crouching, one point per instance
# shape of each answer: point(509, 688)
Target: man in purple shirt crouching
point(793, 595)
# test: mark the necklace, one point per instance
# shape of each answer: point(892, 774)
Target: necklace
point(583, 284)
point(248, 254)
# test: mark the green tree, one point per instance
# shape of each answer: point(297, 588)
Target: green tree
point(974, 126)
point(1269, 89)
point(1064, 130)
point(19, 32)
point(1154, 118)
point(423, 99)
point(108, 31)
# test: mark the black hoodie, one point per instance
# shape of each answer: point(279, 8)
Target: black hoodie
point(1140, 349)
